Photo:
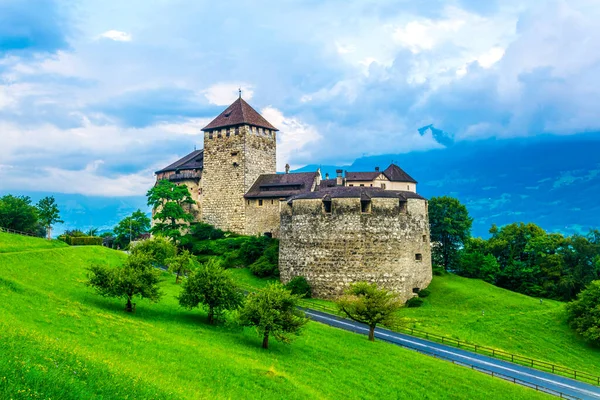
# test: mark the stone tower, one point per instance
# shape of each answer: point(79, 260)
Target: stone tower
point(239, 146)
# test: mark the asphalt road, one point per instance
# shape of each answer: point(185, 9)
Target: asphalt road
point(527, 376)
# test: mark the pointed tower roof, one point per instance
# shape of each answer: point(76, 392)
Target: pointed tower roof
point(396, 174)
point(239, 113)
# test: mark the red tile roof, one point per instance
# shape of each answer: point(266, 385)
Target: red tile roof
point(239, 113)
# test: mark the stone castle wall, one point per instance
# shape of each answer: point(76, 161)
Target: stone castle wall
point(263, 219)
point(233, 160)
point(333, 250)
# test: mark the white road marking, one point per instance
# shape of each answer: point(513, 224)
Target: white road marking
point(593, 394)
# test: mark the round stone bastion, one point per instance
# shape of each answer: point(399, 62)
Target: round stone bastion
point(349, 234)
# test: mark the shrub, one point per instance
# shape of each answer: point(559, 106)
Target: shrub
point(438, 271)
point(299, 285)
point(253, 248)
point(424, 293)
point(414, 302)
point(83, 240)
point(263, 268)
point(202, 231)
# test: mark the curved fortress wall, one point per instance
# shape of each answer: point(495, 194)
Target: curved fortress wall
point(385, 241)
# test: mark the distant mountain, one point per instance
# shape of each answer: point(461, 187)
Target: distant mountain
point(551, 181)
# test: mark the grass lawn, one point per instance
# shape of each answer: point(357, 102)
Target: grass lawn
point(60, 340)
point(10, 243)
point(512, 322)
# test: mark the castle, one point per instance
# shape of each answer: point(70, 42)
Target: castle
point(357, 226)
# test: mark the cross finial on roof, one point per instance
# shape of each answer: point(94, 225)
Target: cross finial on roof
point(240, 90)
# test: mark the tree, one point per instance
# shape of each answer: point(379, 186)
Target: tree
point(476, 262)
point(273, 311)
point(365, 303)
point(136, 277)
point(213, 287)
point(17, 213)
point(92, 232)
point(48, 214)
point(181, 264)
point(584, 313)
point(450, 227)
point(131, 227)
point(158, 249)
point(167, 200)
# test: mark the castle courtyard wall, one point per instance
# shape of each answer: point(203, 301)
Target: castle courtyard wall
point(333, 250)
point(263, 219)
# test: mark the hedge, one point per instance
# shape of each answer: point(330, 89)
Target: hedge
point(83, 241)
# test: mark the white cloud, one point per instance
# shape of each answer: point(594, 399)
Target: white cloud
point(117, 36)
point(223, 94)
point(296, 139)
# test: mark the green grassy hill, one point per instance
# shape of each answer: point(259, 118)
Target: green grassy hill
point(475, 311)
point(10, 243)
point(60, 340)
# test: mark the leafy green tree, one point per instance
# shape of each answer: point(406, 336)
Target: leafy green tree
point(131, 227)
point(365, 303)
point(213, 288)
point(92, 232)
point(168, 200)
point(450, 226)
point(584, 313)
point(476, 262)
point(17, 213)
point(136, 277)
point(158, 249)
point(49, 214)
point(181, 264)
point(273, 311)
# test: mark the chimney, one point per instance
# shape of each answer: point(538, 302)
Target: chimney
point(287, 168)
point(326, 175)
point(338, 179)
point(376, 169)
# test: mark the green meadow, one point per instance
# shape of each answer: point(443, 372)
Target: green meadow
point(59, 340)
point(474, 311)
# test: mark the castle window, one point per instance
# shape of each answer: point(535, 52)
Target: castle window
point(227, 133)
point(403, 208)
point(327, 206)
point(383, 186)
point(351, 184)
point(248, 202)
point(371, 185)
point(418, 257)
point(407, 187)
point(365, 206)
point(260, 203)
point(234, 153)
point(237, 130)
point(424, 238)
point(271, 201)
point(210, 135)
point(362, 184)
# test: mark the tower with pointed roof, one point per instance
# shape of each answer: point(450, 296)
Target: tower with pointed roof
point(239, 146)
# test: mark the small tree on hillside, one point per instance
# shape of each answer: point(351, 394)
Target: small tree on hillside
point(48, 214)
point(273, 311)
point(158, 249)
point(181, 264)
point(584, 313)
point(365, 303)
point(167, 200)
point(212, 287)
point(450, 227)
point(136, 277)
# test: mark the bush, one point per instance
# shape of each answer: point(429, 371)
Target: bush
point(253, 248)
point(438, 271)
point(83, 240)
point(268, 263)
point(424, 293)
point(414, 302)
point(584, 313)
point(202, 231)
point(158, 249)
point(299, 285)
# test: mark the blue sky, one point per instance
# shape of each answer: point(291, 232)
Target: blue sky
point(95, 96)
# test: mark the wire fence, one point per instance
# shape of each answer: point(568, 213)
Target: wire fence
point(488, 351)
